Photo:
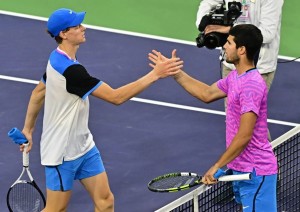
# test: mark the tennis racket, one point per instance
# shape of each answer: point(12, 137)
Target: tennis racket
point(174, 182)
point(25, 195)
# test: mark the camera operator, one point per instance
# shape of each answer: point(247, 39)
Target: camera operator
point(266, 15)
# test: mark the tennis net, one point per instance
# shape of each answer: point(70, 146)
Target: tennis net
point(219, 197)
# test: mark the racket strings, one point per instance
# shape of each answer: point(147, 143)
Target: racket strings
point(24, 197)
point(174, 182)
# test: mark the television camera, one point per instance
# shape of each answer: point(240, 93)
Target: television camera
point(223, 14)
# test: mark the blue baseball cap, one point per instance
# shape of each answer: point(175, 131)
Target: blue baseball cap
point(62, 19)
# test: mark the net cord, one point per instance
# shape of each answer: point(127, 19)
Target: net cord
point(285, 136)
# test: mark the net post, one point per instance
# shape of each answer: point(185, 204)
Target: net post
point(196, 204)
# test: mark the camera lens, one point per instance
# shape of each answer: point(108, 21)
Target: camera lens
point(213, 40)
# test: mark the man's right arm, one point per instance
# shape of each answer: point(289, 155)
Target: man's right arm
point(160, 70)
point(198, 89)
point(34, 106)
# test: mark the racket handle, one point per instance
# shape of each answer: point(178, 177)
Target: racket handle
point(219, 173)
point(235, 177)
point(25, 155)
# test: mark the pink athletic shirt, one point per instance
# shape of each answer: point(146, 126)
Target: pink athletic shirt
point(248, 92)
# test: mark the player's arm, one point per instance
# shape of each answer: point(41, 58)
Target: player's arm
point(198, 89)
point(237, 146)
point(34, 106)
point(241, 139)
point(118, 96)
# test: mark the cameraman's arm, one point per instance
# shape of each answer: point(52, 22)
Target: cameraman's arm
point(270, 19)
point(204, 7)
point(217, 28)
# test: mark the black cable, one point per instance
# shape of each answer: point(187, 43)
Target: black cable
point(221, 57)
point(221, 75)
point(289, 60)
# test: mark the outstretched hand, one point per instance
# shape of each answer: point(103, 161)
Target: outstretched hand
point(156, 57)
point(164, 66)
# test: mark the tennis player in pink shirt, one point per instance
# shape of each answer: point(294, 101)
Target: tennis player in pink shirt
point(247, 145)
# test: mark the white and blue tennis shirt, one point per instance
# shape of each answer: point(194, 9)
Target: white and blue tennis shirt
point(66, 135)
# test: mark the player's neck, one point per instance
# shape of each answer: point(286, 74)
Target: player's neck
point(243, 67)
point(69, 50)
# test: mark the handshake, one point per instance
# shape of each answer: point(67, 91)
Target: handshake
point(163, 66)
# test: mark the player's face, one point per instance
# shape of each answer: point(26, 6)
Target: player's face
point(231, 51)
point(76, 34)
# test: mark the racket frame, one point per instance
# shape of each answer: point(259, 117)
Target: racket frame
point(31, 182)
point(246, 176)
point(175, 189)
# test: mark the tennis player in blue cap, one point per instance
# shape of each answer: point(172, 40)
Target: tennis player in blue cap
point(68, 150)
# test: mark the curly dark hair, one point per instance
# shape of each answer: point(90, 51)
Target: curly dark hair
point(249, 36)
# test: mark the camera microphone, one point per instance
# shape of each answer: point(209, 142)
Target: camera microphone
point(204, 22)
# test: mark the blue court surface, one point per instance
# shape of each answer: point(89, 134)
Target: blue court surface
point(162, 130)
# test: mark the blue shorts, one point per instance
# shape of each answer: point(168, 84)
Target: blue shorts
point(257, 194)
point(61, 177)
